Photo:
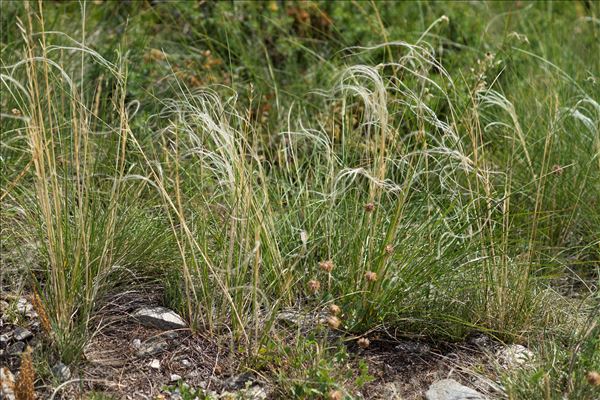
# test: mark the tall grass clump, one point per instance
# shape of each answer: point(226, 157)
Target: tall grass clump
point(79, 206)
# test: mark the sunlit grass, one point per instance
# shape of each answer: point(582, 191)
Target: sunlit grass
point(420, 191)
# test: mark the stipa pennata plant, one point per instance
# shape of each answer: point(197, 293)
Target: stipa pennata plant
point(231, 262)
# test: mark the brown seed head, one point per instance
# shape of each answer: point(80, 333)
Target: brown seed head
point(364, 342)
point(16, 112)
point(334, 309)
point(336, 395)
point(334, 322)
point(389, 249)
point(39, 308)
point(314, 285)
point(370, 276)
point(24, 389)
point(369, 207)
point(593, 378)
point(326, 266)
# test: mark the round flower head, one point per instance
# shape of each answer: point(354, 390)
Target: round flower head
point(334, 322)
point(336, 395)
point(326, 266)
point(334, 309)
point(369, 207)
point(364, 342)
point(593, 378)
point(314, 285)
point(370, 276)
point(389, 249)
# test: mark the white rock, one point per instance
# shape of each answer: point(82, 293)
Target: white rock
point(449, 389)
point(515, 355)
point(155, 364)
point(23, 306)
point(175, 377)
point(136, 343)
point(186, 363)
point(159, 317)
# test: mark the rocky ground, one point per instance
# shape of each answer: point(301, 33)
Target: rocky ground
point(141, 350)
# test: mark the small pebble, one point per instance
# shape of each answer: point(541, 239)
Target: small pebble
point(61, 372)
point(15, 348)
point(4, 339)
point(155, 364)
point(21, 334)
point(175, 377)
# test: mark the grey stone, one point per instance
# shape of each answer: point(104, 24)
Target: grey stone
point(238, 381)
point(149, 349)
point(170, 335)
point(136, 343)
point(479, 340)
point(15, 348)
point(22, 334)
point(61, 372)
point(409, 346)
point(159, 317)
point(449, 389)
